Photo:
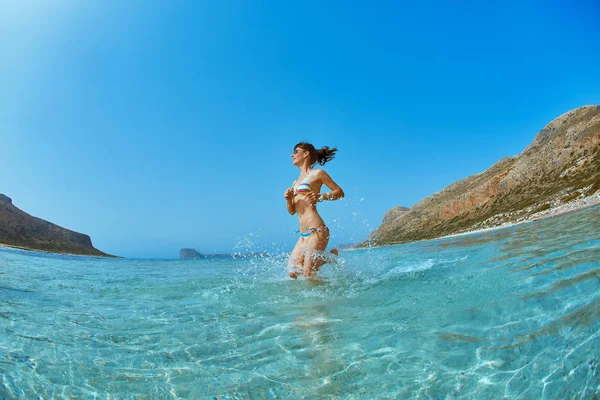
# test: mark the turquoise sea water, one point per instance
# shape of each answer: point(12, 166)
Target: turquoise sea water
point(512, 313)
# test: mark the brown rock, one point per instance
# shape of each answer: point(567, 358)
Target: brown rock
point(563, 158)
point(19, 229)
point(394, 213)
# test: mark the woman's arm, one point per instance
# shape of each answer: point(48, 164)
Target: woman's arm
point(336, 191)
point(289, 197)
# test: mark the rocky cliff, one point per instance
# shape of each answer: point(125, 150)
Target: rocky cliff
point(562, 165)
point(190, 253)
point(19, 229)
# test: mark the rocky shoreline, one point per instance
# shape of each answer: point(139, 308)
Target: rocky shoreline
point(559, 209)
point(24, 248)
point(557, 173)
point(26, 232)
point(576, 205)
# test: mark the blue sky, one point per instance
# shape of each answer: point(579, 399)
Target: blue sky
point(152, 128)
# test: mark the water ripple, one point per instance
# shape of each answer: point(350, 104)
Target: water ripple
point(512, 313)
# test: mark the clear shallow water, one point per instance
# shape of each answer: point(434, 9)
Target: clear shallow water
point(513, 313)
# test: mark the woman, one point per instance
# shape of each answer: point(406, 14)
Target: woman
point(302, 198)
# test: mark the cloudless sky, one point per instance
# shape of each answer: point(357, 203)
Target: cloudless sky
point(153, 126)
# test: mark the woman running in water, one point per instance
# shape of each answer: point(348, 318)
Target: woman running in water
point(302, 198)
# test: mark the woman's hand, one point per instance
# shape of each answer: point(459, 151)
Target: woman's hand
point(312, 198)
point(289, 194)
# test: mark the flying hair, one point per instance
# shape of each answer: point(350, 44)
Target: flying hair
point(321, 156)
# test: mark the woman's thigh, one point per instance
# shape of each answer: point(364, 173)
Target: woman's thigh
point(296, 260)
point(313, 252)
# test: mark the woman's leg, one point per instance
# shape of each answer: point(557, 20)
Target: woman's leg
point(313, 257)
point(296, 260)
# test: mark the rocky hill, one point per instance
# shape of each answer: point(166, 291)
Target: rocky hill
point(19, 229)
point(560, 167)
point(190, 253)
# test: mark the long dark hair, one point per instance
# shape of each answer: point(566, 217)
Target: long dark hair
point(321, 156)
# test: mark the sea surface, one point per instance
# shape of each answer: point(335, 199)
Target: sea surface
point(512, 313)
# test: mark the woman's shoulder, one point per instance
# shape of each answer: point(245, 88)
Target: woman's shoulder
point(319, 173)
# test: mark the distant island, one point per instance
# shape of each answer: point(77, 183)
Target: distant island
point(557, 173)
point(21, 230)
point(193, 254)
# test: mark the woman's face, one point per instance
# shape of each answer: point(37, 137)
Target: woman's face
point(299, 155)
